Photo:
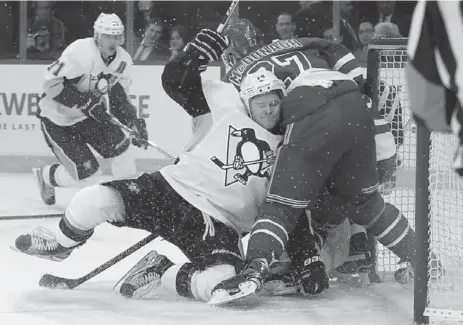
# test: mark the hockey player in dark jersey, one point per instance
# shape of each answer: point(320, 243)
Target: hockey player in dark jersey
point(327, 163)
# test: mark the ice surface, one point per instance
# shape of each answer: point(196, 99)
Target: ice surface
point(22, 301)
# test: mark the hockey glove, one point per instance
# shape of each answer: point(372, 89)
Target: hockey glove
point(207, 44)
point(313, 279)
point(96, 109)
point(139, 127)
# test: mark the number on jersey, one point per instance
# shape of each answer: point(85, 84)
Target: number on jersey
point(285, 66)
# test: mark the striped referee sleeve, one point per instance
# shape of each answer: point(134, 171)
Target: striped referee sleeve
point(435, 69)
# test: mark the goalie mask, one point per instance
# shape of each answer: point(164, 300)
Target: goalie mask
point(244, 38)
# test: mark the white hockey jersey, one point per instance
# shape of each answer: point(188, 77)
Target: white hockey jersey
point(81, 61)
point(206, 177)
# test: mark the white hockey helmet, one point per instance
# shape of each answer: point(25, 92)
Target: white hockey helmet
point(108, 24)
point(259, 83)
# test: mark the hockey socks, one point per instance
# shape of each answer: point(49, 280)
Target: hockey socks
point(392, 229)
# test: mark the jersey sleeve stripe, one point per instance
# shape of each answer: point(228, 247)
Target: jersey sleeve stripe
point(268, 233)
point(272, 224)
point(345, 59)
point(287, 201)
point(355, 73)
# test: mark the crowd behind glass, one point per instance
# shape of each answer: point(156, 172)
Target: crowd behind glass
point(157, 30)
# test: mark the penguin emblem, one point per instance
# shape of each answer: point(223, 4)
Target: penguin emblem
point(252, 157)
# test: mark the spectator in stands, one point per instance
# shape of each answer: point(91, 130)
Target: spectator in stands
point(316, 17)
point(45, 39)
point(366, 33)
point(386, 13)
point(387, 30)
point(285, 26)
point(152, 47)
point(177, 40)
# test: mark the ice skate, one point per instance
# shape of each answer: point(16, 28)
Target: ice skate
point(249, 282)
point(47, 192)
point(280, 285)
point(144, 278)
point(42, 243)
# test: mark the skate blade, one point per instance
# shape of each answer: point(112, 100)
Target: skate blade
point(44, 257)
point(222, 297)
point(278, 288)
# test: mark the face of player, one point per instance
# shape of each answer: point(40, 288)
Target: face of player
point(109, 43)
point(176, 41)
point(265, 110)
point(285, 27)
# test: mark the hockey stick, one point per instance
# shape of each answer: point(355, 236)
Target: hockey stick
point(32, 216)
point(228, 14)
point(55, 282)
point(136, 135)
point(219, 163)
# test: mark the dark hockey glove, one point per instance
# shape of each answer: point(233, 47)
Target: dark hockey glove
point(313, 279)
point(96, 109)
point(207, 44)
point(141, 133)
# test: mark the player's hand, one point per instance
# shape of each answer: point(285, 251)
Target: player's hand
point(238, 162)
point(313, 279)
point(96, 109)
point(139, 127)
point(207, 44)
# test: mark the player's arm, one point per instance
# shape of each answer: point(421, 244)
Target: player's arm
point(181, 77)
point(60, 79)
point(120, 104)
point(181, 80)
point(339, 58)
point(431, 66)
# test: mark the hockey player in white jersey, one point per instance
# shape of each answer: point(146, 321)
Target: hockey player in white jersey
point(92, 75)
point(203, 203)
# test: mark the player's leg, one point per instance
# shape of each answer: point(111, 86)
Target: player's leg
point(78, 166)
point(111, 143)
point(211, 247)
point(144, 203)
point(90, 207)
point(368, 209)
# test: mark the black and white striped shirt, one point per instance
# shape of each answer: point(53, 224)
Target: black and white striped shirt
point(435, 71)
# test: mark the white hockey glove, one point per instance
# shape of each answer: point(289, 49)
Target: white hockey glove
point(207, 44)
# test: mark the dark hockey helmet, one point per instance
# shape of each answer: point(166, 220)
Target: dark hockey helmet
point(244, 37)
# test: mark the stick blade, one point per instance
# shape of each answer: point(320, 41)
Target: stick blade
point(55, 282)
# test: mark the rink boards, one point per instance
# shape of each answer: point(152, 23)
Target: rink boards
point(22, 145)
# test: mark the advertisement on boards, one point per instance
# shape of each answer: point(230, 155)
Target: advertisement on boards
point(20, 89)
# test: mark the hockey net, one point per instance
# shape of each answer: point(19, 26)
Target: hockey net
point(425, 189)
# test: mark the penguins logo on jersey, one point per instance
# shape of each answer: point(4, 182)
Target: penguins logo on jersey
point(246, 156)
point(103, 82)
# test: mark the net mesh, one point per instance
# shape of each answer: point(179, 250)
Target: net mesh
point(445, 291)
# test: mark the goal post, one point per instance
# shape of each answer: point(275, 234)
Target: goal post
point(424, 188)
